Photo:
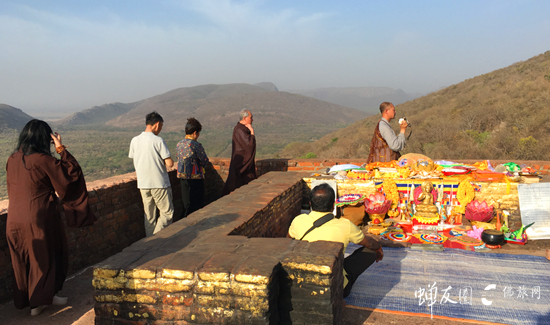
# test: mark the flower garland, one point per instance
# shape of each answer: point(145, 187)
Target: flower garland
point(359, 176)
point(390, 189)
point(404, 172)
point(425, 220)
point(465, 194)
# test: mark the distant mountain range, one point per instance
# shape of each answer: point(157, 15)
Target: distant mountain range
point(504, 114)
point(218, 105)
point(12, 119)
point(366, 99)
point(279, 117)
point(97, 114)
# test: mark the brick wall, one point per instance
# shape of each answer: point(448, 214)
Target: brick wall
point(206, 268)
point(117, 203)
point(274, 218)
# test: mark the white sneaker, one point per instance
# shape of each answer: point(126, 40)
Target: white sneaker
point(59, 301)
point(36, 311)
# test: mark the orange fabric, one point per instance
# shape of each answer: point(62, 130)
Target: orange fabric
point(389, 164)
point(488, 176)
point(483, 165)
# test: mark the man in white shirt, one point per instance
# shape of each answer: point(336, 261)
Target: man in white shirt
point(151, 157)
point(385, 145)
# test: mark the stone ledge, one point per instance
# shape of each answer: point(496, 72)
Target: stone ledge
point(204, 264)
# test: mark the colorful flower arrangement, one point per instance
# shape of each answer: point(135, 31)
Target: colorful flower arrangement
point(465, 194)
point(404, 172)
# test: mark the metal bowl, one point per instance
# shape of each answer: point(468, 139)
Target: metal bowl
point(492, 237)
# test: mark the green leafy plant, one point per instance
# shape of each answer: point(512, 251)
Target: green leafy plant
point(309, 155)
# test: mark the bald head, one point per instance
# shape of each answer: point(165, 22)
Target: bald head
point(388, 111)
point(385, 106)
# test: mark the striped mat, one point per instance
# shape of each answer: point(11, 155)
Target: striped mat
point(499, 288)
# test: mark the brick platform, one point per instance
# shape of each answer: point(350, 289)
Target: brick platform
point(117, 203)
point(206, 269)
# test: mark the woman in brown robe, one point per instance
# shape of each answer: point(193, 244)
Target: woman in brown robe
point(34, 229)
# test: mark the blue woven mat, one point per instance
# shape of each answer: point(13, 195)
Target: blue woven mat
point(500, 288)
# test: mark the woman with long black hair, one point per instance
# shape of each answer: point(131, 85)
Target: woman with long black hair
point(37, 183)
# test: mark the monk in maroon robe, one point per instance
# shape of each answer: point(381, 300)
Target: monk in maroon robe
point(37, 184)
point(242, 169)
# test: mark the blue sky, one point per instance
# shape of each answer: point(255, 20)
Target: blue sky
point(71, 55)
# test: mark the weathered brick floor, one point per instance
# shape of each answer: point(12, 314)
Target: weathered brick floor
point(80, 311)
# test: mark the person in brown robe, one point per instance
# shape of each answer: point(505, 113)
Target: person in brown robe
point(34, 229)
point(385, 145)
point(242, 169)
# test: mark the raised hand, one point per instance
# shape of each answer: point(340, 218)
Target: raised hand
point(56, 137)
point(249, 126)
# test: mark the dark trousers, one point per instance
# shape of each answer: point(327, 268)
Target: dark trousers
point(192, 196)
point(357, 263)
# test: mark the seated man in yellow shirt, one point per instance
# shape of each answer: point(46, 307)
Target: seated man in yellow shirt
point(338, 230)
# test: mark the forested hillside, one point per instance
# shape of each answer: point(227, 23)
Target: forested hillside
point(504, 114)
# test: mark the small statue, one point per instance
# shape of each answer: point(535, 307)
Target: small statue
point(427, 208)
point(426, 196)
point(442, 214)
point(403, 212)
point(452, 219)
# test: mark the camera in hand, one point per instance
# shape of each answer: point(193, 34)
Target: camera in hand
point(404, 119)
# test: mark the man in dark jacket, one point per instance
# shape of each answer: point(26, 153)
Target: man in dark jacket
point(242, 169)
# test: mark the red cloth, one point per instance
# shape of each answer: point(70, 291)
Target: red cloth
point(446, 244)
